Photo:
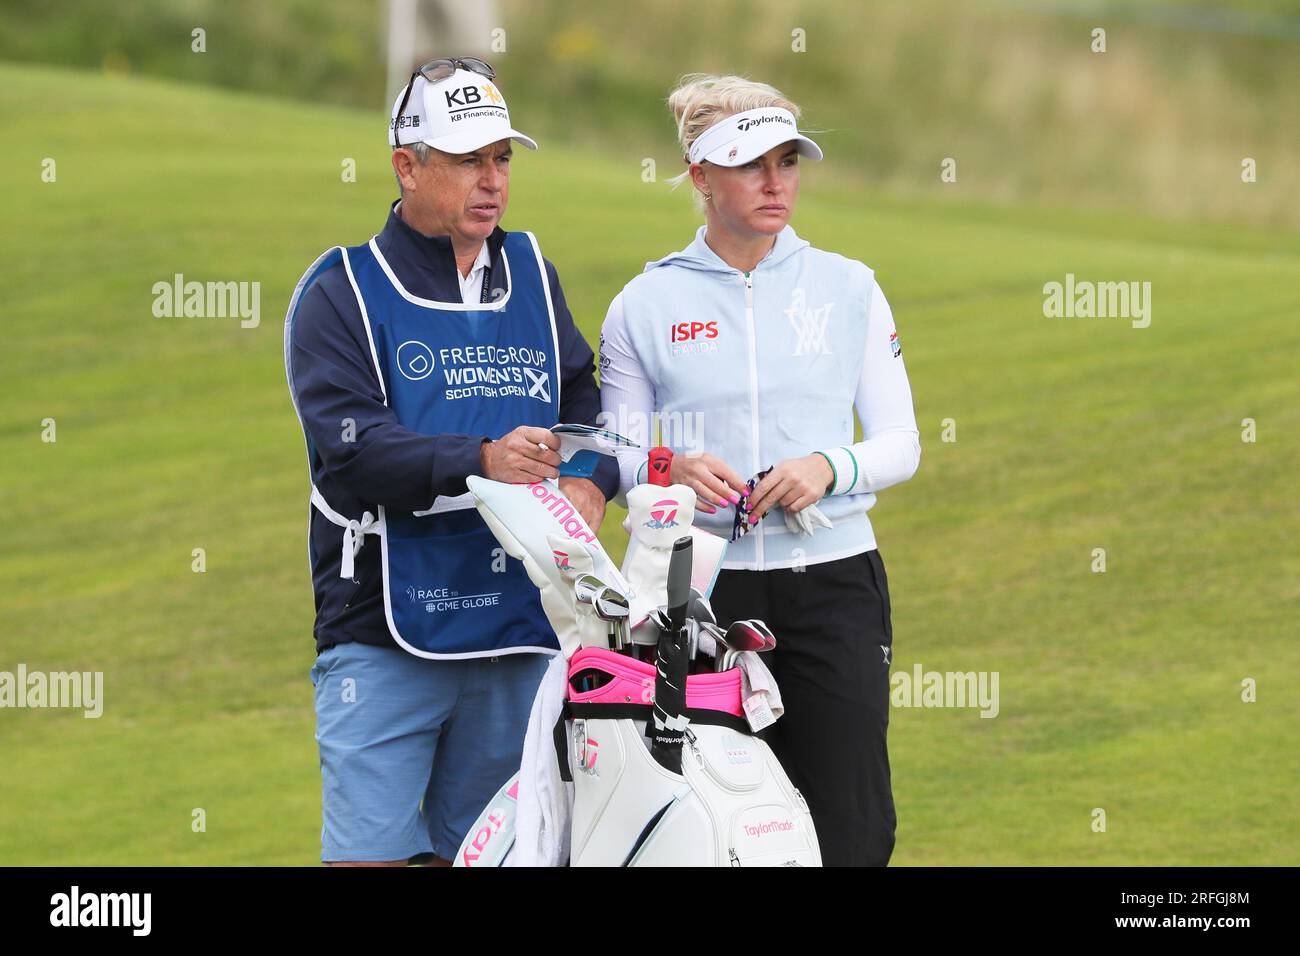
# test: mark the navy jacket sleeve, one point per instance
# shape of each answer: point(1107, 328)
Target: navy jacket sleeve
point(334, 380)
point(579, 396)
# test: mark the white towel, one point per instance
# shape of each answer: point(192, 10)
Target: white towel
point(758, 691)
point(545, 812)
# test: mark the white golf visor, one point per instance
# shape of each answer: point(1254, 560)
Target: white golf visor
point(741, 137)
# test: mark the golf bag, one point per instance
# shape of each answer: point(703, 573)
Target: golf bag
point(731, 805)
point(724, 799)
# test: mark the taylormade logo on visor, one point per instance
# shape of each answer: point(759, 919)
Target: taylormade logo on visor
point(745, 124)
point(758, 130)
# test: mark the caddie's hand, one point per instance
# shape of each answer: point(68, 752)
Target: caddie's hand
point(715, 483)
point(587, 498)
point(794, 484)
point(522, 456)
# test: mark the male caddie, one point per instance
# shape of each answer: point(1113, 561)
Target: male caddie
point(441, 348)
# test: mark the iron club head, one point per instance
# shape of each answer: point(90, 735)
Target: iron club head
point(743, 636)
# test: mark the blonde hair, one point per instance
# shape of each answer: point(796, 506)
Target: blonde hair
point(702, 99)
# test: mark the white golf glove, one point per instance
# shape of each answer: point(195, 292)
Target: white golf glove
point(807, 521)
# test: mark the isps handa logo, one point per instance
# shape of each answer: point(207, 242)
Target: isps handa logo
point(693, 338)
point(561, 559)
point(663, 514)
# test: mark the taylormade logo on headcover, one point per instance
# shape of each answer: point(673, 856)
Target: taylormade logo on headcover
point(563, 512)
point(663, 514)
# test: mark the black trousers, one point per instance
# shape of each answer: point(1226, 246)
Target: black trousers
point(834, 644)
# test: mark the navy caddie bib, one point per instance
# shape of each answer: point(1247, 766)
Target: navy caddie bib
point(450, 591)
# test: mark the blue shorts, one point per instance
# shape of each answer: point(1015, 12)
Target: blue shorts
point(411, 750)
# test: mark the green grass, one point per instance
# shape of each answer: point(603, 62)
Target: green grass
point(1009, 89)
point(1118, 690)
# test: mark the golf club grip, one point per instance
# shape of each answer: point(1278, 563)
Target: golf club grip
point(659, 470)
point(679, 582)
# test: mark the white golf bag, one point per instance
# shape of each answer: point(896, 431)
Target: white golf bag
point(732, 803)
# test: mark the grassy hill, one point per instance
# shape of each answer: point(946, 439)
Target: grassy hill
point(1119, 690)
point(1012, 90)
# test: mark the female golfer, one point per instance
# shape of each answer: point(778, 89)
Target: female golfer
point(753, 350)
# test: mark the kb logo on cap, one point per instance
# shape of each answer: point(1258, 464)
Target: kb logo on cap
point(471, 96)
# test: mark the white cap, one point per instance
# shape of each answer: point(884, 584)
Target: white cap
point(459, 114)
point(741, 137)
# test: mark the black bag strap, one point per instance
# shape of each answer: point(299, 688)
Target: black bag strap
point(561, 735)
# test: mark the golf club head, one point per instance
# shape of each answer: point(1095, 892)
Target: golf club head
point(769, 639)
point(744, 636)
point(711, 639)
point(700, 609)
point(586, 587)
point(715, 631)
point(720, 635)
point(656, 624)
point(610, 605)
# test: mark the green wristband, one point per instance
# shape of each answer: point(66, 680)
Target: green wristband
point(835, 475)
point(855, 468)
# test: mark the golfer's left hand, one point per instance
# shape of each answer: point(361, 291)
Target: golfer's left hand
point(794, 484)
point(587, 498)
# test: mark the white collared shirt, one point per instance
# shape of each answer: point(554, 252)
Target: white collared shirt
point(471, 286)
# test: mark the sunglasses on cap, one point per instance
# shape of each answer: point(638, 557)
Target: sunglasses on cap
point(440, 69)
